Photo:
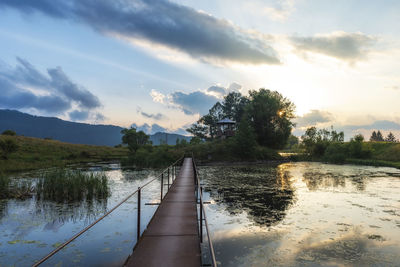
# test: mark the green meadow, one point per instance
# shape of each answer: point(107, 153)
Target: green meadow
point(36, 153)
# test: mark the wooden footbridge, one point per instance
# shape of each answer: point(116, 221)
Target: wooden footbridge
point(175, 233)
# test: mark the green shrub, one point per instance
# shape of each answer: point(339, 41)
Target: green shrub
point(8, 146)
point(336, 153)
point(9, 132)
point(265, 153)
point(358, 149)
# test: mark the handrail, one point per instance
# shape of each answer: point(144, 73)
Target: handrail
point(203, 213)
point(102, 217)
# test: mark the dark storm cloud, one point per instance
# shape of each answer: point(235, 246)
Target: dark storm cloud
point(193, 103)
point(25, 87)
point(162, 22)
point(342, 45)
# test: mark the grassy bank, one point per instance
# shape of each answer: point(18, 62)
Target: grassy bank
point(370, 154)
point(35, 153)
point(208, 152)
point(225, 151)
point(374, 162)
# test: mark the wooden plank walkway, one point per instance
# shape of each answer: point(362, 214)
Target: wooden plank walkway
point(171, 238)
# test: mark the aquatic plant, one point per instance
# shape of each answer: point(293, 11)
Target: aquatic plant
point(21, 189)
point(4, 186)
point(10, 188)
point(72, 185)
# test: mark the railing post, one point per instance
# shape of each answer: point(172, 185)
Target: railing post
point(138, 214)
point(201, 215)
point(162, 185)
point(168, 178)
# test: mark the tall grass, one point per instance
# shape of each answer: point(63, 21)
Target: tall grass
point(63, 185)
point(4, 186)
point(12, 188)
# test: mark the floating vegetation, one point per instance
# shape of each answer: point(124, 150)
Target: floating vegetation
point(264, 192)
point(63, 185)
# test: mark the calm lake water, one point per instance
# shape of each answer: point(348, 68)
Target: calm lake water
point(29, 230)
point(293, 214)
point(304, 214)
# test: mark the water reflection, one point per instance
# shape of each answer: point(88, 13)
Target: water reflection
point(30, 229)
point(264, 193)
point(58, 214)
point(334, 215)
point(326, 176)
point(317, 180)
point(3, 208)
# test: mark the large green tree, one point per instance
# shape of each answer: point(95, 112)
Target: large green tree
point(317, 141)
point(245, 141)
point(391, 138)
point(233, 106)
point(198, 130)
point(215, 114)
point(270, 115)
point(376, 137)
point(134, 139)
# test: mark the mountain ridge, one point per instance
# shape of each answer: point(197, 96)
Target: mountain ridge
point(70, 132)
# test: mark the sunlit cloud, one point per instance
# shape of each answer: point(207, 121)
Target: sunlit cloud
point(157, 96)
point(345, 46)
point(393, 87)
point(313, 118)
point(280, 12)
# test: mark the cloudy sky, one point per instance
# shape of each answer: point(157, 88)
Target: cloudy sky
point(164, 63)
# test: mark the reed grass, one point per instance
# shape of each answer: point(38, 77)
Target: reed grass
point(12, 188)
point(4, 186)
point(64, 185)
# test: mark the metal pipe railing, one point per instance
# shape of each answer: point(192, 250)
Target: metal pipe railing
point(203, 216)
point(111, 210)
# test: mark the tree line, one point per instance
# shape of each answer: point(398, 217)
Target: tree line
point(329, 145)
point(378, 137)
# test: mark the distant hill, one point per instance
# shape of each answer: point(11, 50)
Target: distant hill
point(70, 132)
point(167, 138)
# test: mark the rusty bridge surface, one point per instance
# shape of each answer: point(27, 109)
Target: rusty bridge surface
point(172, 236)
